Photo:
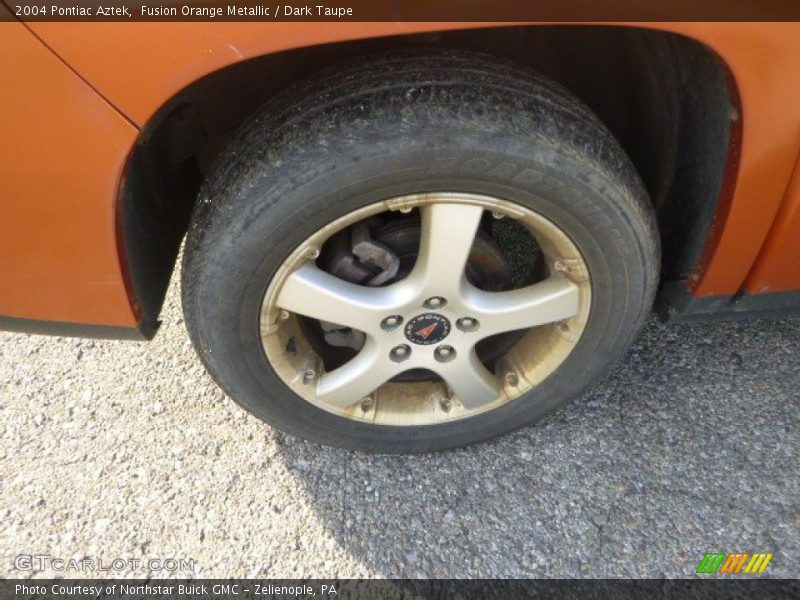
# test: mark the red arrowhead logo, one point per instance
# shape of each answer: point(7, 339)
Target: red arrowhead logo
point(426, 331)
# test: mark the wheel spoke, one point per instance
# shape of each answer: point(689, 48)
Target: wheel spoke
point(553, 299)
point(357, 378)
point(470, 380)
point(314, 293)
point(448, 231)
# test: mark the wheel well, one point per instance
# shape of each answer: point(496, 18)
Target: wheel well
point(668, 99)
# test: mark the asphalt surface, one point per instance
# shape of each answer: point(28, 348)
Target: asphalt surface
point(114, 450)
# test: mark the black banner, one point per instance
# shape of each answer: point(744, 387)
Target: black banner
point(402, 10)
point(347, 589)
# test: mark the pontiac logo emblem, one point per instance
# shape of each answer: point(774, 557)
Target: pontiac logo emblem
point(428, 328)
point(426, 331)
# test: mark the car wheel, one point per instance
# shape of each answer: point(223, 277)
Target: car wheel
point(416, 252)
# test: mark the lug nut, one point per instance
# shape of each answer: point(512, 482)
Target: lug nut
point(467, 324)
point(400, 353)
point(391, 323)
point(444, 353)
point(435, 302)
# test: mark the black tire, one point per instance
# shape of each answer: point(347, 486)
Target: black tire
point(399, 124)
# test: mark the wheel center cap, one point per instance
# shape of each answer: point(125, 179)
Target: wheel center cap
point(427, 329)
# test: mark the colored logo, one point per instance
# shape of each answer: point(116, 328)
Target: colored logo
point(428, 328)
point(736, 563)
point(425, 332)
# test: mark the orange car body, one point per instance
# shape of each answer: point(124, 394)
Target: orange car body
point(70, 121)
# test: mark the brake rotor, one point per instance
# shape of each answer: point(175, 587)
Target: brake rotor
point(487, 267)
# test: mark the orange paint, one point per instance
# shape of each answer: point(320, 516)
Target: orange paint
point(64, 147)
point(777, 268)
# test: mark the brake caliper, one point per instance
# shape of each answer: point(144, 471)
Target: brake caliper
point(363, 261)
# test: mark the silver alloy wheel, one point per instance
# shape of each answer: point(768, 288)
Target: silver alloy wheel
point(431, 319)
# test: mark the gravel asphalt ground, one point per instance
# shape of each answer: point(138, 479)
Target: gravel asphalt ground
point(127, 450)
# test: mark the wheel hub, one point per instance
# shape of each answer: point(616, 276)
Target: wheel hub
point(379, 251)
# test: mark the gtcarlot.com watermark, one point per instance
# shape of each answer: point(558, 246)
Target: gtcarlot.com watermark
point(90, 564)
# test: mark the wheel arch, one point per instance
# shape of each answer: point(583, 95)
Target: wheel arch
point(680, 141)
